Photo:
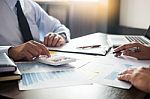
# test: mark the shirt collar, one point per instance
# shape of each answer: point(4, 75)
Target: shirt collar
point(11, 3)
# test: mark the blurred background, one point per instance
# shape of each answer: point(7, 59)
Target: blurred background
point(84, 17)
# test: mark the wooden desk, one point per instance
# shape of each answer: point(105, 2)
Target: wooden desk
point(73, 92)
point(94, 91)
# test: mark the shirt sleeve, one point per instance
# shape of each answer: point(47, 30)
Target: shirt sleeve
point(47, 23)
point(4, 49)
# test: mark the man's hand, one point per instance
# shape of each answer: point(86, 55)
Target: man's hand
point(54, 40)
point(27, 51)
point(138, 77)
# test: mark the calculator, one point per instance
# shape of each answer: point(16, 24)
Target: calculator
point(55, 60)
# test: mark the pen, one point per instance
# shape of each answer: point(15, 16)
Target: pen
point(90, 46)
point(133, 49)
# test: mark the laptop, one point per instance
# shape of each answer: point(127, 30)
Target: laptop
point(117, 40)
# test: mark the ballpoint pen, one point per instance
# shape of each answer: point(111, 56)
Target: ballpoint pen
point(90, 46)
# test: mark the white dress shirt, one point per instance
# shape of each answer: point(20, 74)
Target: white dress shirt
point(39, 21)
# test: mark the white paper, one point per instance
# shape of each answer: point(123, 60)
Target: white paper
point(104, 74)
point(123, 62)
point(104, 70)
point(36, 75)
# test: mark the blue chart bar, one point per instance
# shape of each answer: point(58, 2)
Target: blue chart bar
point(112, 76)
point(32, 78)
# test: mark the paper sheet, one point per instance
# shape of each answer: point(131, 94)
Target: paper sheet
point(104, 74)
point(104, 70)
point(36, 75)
point(122, 61)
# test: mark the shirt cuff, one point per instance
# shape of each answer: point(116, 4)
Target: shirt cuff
point(4, 49)
point(64, 36)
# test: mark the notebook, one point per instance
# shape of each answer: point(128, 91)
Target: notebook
point(117, 40)
point(8, 69)
point(6, 64)
point(10, 76)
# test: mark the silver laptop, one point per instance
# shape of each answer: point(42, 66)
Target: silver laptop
point(117, 40)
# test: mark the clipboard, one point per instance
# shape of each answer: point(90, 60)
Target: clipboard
point(102, 51)
point(90, 45)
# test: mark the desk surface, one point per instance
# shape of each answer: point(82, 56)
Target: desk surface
point(94, 91)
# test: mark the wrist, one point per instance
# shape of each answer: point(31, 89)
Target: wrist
point(64, 36)
point(10, 52)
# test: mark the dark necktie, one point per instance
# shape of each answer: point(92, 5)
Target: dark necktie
point(23, 24)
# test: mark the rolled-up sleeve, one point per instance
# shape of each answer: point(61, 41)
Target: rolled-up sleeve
point(47, 23)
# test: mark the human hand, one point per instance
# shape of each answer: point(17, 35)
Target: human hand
point(27, 51)
point(138, 77)
point(54, 40)
point(141, 53)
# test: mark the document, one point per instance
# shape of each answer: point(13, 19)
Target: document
point(89, 44)
point(36, 75)
point(103, 74)
point(104, 70)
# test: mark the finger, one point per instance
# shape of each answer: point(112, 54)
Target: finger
point(41, 48)
point(46, 39)
point(34, 49)
point(120, 48)
point(127, 52)
point(118, 54)
point(127, 46)
point(50, 39)
point(55, 40)
point(28, 56)
point(131, 53)
point(128, 71)
point(60, 43)
point(44, 51)
point(125, 77)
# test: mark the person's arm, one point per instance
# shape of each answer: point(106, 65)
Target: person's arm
point(141, 52)
point(138, 77)
point(49, 25)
